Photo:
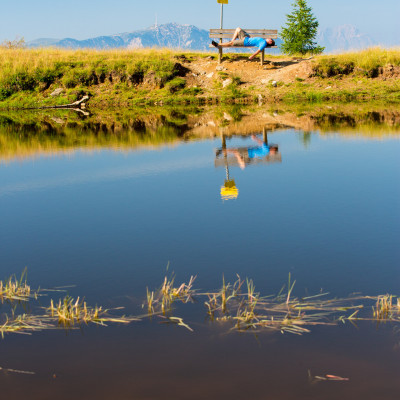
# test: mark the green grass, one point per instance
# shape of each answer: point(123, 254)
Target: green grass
point(126, 78)
point(365, 63)
point(36, 70)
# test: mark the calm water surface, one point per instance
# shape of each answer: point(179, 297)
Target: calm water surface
point(109, 221)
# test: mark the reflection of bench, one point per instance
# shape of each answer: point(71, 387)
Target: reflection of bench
point(232, 161)
point(228, 33)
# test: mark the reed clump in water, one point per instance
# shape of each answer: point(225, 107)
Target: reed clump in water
point(13, 289)
point(161, 301)
point(387, 307)
point(246, 310)
point(69, 312)
point(25, 324)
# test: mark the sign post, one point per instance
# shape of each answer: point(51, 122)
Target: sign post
point(222, 2)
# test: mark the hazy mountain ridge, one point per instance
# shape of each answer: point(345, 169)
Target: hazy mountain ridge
point(172, 35)
point(344, 37)
point(168, 35)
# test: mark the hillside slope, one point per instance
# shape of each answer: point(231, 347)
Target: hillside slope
point(28, 78)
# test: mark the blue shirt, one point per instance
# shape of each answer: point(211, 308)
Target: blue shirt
point(255, 42)
point(258, 152)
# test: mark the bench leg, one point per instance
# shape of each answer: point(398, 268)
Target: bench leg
point(262, 57)
point(219, 56)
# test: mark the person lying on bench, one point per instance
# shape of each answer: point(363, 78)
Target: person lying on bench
point(242, 39)
point(246, 155)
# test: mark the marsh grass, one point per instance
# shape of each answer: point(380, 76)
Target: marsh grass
point(13, 289)
point(24, 324)
point(245, 310)
point(239, 305)
point(161, 301)
point(69, 312)
point(387, 308)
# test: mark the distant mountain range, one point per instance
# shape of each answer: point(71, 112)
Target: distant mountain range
point(344, 37)
point(189, 37)
point(169, 35)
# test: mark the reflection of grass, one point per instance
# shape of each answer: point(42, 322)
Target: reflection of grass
point(23, 135)
point(27, 134)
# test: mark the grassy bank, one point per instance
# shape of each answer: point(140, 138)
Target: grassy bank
point(127, 77)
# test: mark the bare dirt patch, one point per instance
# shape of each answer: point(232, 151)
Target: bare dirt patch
point(204, 72)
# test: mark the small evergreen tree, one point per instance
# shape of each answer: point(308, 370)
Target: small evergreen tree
point(300, 31)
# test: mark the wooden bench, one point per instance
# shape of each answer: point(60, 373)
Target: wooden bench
point(228, 33)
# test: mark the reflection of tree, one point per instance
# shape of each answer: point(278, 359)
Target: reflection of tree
point(305, 138)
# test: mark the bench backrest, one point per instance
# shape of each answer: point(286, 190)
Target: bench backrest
point(228, 33)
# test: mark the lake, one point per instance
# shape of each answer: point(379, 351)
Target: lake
point(107, 205)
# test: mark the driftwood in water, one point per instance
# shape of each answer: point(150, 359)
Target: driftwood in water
point(76, 104)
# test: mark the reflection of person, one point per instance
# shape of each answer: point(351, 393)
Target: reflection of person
point(244, 156)
point(242, 39)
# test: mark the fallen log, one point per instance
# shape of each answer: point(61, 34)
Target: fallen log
point(78, 105)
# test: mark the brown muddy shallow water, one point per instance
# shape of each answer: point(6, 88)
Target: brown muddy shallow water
point(105, 203)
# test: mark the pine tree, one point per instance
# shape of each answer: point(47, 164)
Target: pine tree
point(300, 31)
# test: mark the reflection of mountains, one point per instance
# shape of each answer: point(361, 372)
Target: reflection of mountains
point(45, 133)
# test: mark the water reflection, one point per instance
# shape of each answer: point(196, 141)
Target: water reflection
point(259, 152)
point(110, 222)
point(33, 134)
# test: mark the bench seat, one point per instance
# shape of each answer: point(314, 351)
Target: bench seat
point(221, 34)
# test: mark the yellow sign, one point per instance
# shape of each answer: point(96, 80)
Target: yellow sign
point(223, 1)
point(229, 191)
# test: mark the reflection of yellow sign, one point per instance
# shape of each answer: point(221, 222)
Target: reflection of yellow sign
point(223, 1)
point(229, 191)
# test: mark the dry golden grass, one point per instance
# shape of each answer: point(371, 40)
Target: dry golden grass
point(365, 61)
point(69, 312)
point(13, 289)
point(162, 300)
point(12, 60)
point(373, 56)
point(245, 310)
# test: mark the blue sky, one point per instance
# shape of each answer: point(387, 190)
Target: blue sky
point(83, 19)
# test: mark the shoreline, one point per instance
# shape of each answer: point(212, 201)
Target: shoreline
point(52, 77)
